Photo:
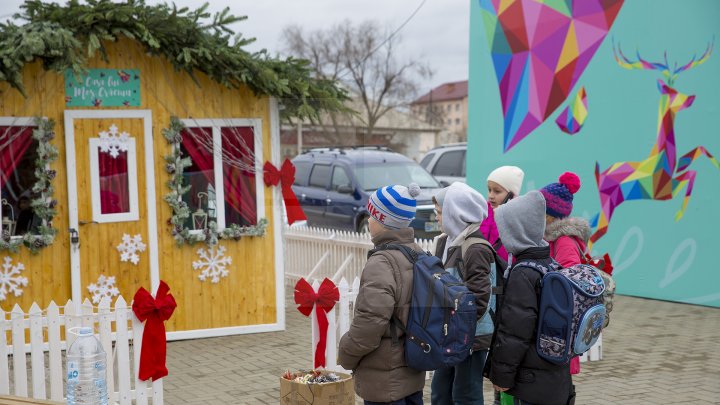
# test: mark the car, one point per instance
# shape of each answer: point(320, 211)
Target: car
point(446, 163)
point(334, 185)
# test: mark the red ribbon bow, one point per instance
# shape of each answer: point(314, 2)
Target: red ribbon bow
point(285, 177)
point(156, 311)
point(323, 302)
point(603, 263)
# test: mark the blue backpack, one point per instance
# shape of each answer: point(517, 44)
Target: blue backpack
point(442, 317)
point(571, 312)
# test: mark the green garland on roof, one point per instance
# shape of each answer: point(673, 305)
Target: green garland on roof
point(64, 37)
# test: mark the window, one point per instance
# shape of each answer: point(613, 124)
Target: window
point(449, 164)
point(223, 177)
point(113, 179)
point(320, 176)
point(426, 160)
point(340, 178)
point(457, 121)
point(18, 152)
point(302, 170)
point(457, 107)
point(449, 121)
point(370, 177)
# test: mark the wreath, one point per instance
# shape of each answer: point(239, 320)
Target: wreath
point(42, 202)
point(175, 165)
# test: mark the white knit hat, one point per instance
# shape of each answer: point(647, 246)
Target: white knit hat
point(508, 177)
point(394, 206)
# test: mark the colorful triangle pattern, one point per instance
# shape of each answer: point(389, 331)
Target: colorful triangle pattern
point(572, 119)
point(540, 48)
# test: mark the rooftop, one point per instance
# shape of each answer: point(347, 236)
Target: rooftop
point(445, 92)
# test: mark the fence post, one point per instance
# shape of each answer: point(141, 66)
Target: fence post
point(54, 352)
point(37, 355)
point(4, 369)
point(17, 318)
point(344, 323)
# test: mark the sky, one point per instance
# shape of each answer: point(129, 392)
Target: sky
point(438, 34)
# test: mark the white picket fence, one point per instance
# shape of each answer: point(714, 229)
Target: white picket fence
point(317, 253)
point(118, 329)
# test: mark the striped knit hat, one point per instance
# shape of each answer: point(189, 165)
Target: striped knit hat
point(394, 206)
point(559, 196)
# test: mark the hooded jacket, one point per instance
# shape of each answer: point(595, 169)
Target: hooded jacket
point(568, 240)
point(515, 363)
point(489, 229)
point(463, 209)
point(379, 369)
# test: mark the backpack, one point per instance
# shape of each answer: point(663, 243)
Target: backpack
point(442, 317)
point(486, 324)
point(604, 264)
point(571, 312)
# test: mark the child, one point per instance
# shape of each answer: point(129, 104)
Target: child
point(460, 210)
point(516, 366)
point(379, 370)
point(504, 183)
point(567, 236)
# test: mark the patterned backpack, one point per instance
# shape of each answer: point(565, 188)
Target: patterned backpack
point(571, 312)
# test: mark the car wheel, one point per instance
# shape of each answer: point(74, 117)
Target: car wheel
point(363, 227)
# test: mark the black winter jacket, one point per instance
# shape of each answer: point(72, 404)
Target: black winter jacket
point(515, 363)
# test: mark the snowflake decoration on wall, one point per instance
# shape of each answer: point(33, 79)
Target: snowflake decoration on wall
point(113, 142)
point(212, 262)
point(130, 247)
point(105, 287)
point(10, 279)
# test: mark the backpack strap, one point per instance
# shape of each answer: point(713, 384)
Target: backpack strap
point(498, 289)
point(412, 257)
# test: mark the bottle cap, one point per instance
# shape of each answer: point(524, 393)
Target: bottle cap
point(84, 331)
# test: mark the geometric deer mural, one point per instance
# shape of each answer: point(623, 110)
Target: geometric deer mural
point(660, 176)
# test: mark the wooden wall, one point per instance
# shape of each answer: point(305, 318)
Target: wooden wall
point(247, 295)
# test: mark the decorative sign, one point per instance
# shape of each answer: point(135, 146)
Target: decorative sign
point(103, 88)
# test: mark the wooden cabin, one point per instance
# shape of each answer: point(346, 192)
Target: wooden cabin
point(158, 175)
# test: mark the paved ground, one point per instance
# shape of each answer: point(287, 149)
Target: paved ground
point(654, 353)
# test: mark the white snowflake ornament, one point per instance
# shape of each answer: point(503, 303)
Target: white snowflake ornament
point(105, 287)
point(113, 142)
point(213, 263)
point(10, 279)
point(130, 247)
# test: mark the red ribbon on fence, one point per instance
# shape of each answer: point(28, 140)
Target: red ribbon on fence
point(285, 177)
point(156, 311)
point(323, 301)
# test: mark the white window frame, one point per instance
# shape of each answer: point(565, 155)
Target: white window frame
point(97, 215)
point(216, 124)
point(20, 122)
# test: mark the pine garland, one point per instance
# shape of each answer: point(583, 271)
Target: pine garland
point(175, 165)
point(42, 203)
point(63, 37)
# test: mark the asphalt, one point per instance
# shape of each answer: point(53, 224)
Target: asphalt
point(654, 352)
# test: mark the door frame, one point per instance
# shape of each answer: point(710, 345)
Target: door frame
point(148, 139)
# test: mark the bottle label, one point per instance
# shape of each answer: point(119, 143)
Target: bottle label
point(72, 371)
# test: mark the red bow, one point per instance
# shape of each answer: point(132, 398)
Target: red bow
point(156, 311)
point(323, 302)
point(285, 177)
point(603, 263)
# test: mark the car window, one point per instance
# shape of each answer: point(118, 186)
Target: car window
point(340, 178)
point(373, 176)
point(302, 170)
point(426, 160)
point(449, 164)
point(320, 176)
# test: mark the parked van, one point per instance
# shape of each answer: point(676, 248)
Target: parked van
point(446, 163)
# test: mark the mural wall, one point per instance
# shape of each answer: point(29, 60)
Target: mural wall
point(625, 94)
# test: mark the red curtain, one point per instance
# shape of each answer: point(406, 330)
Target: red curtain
point(239, 185)
point(196, 142)
point(114, 189)
point(11, 153)
point(239, 145)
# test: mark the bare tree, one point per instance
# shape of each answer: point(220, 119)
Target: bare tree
point(363, 57)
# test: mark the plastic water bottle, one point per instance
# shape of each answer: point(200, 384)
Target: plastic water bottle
point(86, 364)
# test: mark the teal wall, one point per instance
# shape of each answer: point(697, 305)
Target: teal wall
point(654, 256)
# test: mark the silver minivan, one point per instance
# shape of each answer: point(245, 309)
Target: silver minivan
point(446, 163)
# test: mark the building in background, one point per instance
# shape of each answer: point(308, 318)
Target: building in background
point(445, 106)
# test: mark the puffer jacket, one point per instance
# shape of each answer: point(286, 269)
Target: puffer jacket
point(515, 363)
point(379, 369)
point(568, 239)
point(476, 265)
